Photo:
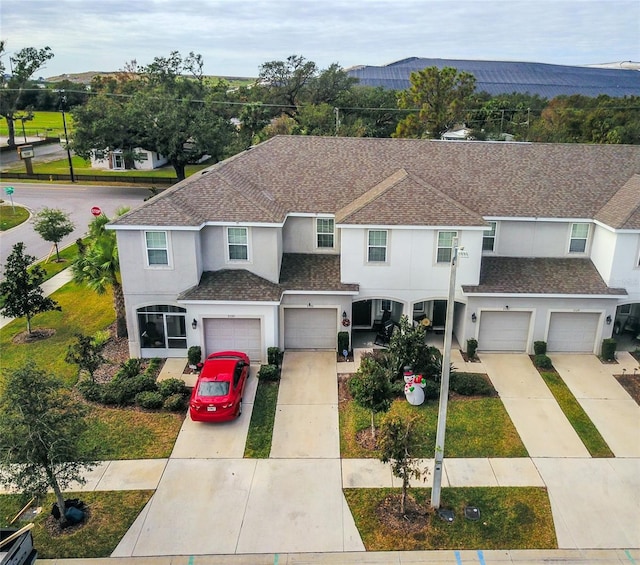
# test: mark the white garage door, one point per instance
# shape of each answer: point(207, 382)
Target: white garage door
point(504, 331)
point(572, 331)
point(310, 328)
point(238, 334)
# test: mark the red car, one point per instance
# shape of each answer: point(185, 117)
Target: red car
point(217, 396)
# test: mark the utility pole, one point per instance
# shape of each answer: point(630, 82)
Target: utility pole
point(444, 381)
point(63, 101)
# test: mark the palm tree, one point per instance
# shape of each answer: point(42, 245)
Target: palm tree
point(99, 268)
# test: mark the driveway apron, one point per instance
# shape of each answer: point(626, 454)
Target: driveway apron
point(608, 405)
point(541, 424)
point(306, 423)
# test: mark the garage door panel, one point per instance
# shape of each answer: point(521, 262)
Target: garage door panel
point(306, 328)
point(504, 331)
point(239, 334)
point(573, 332)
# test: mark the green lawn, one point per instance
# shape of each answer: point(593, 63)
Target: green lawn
point(12, 216)
point(261, 426)
point(111, 515)
point(42, 123)
point(82, 311)
point(578, 418)
point(476, 427)
point(510, 518)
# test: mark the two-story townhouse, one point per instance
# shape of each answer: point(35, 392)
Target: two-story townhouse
point(299, 238)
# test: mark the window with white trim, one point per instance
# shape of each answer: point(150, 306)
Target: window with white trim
point(325, 232)
point(445, 246)
point(377, 246)
point(579, 236)
point(157, 248)
point(238, 239)
point(489, 238)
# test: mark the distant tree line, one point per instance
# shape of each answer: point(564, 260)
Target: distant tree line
point(171, 107)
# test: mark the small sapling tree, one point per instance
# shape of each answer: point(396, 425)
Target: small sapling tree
point(371, 388)
point(20, 288)
point(41, 427)
point(398, 442)
point(53, 225)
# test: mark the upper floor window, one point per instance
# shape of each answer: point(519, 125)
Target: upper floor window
point(579, 235)
point(157, 247)
point(489, 238)
point(445, 246)
point(324, 232)
point(238, 239)
point(377, 246)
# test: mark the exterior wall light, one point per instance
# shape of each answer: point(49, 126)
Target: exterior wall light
point(194, 324)
point(474, 318)
point(608, 320)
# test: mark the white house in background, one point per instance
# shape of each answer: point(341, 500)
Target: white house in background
point(299, 238)
point(114, 160)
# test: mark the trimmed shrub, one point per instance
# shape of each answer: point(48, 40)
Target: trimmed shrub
point(153, 368)
point(540, 347)
point(170, 387)
point(343, 342)
point(194, 354)
point(609, 349)
point(269, 373)
point(175, 403)
point(431, 390)
point(470, 384)
point(274, 355)
point(472, 346)
point(129, 369)
point(542, 361)
point(149, 399)
point(123, 392)
point(90, 390)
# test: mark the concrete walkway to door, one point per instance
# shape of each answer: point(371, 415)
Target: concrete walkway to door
point(543, 427)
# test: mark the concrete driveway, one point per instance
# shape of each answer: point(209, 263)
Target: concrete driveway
point(543, 427)
point(608, 405)
point(210, 501)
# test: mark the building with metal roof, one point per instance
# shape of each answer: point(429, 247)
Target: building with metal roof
point(506, 77)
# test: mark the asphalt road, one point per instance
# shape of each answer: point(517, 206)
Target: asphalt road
point(77, 200)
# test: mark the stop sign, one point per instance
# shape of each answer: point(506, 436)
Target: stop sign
point(96, 211)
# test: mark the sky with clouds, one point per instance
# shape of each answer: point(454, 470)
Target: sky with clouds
point(235, 37)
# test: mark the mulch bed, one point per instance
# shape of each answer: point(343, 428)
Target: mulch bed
point(468, 359)
point(412, 522)
point(630, 383)
point(36, 335)
point(54, 527)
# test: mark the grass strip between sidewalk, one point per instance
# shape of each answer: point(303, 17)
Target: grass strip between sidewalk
point(258, 444)
point(582, 424)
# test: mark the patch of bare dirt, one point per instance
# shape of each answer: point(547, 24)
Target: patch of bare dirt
point(412, 522)
point(366, 439)
point(36, 335)
point(55, 529)
point(631, 383)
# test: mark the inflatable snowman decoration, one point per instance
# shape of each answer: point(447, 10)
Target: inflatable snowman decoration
point(413, 387)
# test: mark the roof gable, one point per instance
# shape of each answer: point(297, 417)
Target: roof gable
point(622, 211)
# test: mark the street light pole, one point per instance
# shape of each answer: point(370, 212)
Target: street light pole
point(444, 380)
point(63, 100)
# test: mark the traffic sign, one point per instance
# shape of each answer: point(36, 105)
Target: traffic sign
point(8, 190)
point(96, 211)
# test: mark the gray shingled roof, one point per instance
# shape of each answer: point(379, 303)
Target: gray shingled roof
point(298, 272)
point(506, 77)
point(622, 211)
point(517, 275)
point(303, 174)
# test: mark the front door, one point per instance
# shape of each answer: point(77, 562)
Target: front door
point(361, 313)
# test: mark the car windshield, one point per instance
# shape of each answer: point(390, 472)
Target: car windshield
point(213, 388)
